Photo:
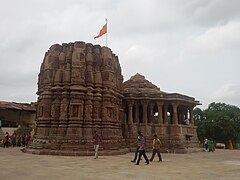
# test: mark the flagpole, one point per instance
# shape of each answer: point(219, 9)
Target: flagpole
point(107, 31)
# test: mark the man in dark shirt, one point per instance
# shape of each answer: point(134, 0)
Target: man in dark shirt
point(138, 146)
point(142, 151)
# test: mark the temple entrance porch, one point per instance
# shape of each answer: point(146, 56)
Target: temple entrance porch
point(151, 111)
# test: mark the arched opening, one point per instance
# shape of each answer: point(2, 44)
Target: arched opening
point(155, 118)
point(148, 114)
point(170, 114)
point(155, 114)
point(134, 113)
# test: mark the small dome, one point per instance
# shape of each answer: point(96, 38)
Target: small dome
point(137, 84)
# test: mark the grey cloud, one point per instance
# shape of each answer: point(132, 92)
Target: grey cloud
point(213, 12)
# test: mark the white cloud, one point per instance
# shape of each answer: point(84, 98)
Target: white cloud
point(212, 40)
point(219, 37)
point(228, 93)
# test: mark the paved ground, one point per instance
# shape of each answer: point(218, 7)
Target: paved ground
point(221, 164)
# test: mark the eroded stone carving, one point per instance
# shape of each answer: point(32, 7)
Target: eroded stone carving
point(74, 84)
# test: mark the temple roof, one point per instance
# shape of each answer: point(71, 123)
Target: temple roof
point(137, 84)
point(138, 87)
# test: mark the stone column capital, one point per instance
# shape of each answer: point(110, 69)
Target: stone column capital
point(151, 105)
point(145, 105)
point(160, 115)
point(130, 102)
point(144, 102)
point(136, 103)
point(160, 103)
point(130, 112)
point(175, 104)
point(136, 112)
point(175, 113)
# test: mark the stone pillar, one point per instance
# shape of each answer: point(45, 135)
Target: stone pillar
point(165, 114)
point(145, 105)
point(175, 115)
point(130, 113)
point(191, 116)
point(185, 112)
point(160, 118)
point(151, 113)
point(136, 112)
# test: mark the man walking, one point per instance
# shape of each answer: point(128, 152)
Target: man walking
point(142, 150)
point(156, 148)
point(138, 146)
point(96, 140)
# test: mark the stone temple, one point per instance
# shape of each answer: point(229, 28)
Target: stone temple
point(81, 90)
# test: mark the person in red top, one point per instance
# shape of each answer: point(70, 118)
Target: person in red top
point(96, 140)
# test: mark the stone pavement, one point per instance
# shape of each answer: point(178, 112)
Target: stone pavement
point(221, 164)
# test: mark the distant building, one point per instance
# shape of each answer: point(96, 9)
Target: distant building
point(13, 115)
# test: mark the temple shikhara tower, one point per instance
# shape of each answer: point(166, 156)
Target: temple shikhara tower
point(81, 90)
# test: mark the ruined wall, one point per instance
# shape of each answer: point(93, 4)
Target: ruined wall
point(80, 91)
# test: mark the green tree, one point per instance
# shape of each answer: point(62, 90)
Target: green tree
point(200, 122)
point(219, 122)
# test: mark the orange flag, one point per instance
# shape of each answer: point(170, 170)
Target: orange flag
point(102, 31)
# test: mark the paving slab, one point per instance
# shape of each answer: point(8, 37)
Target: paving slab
point(220, 165)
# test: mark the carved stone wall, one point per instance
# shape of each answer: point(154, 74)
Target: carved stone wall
point(80, 91)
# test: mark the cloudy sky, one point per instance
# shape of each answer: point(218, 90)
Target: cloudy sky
point(190, 47)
